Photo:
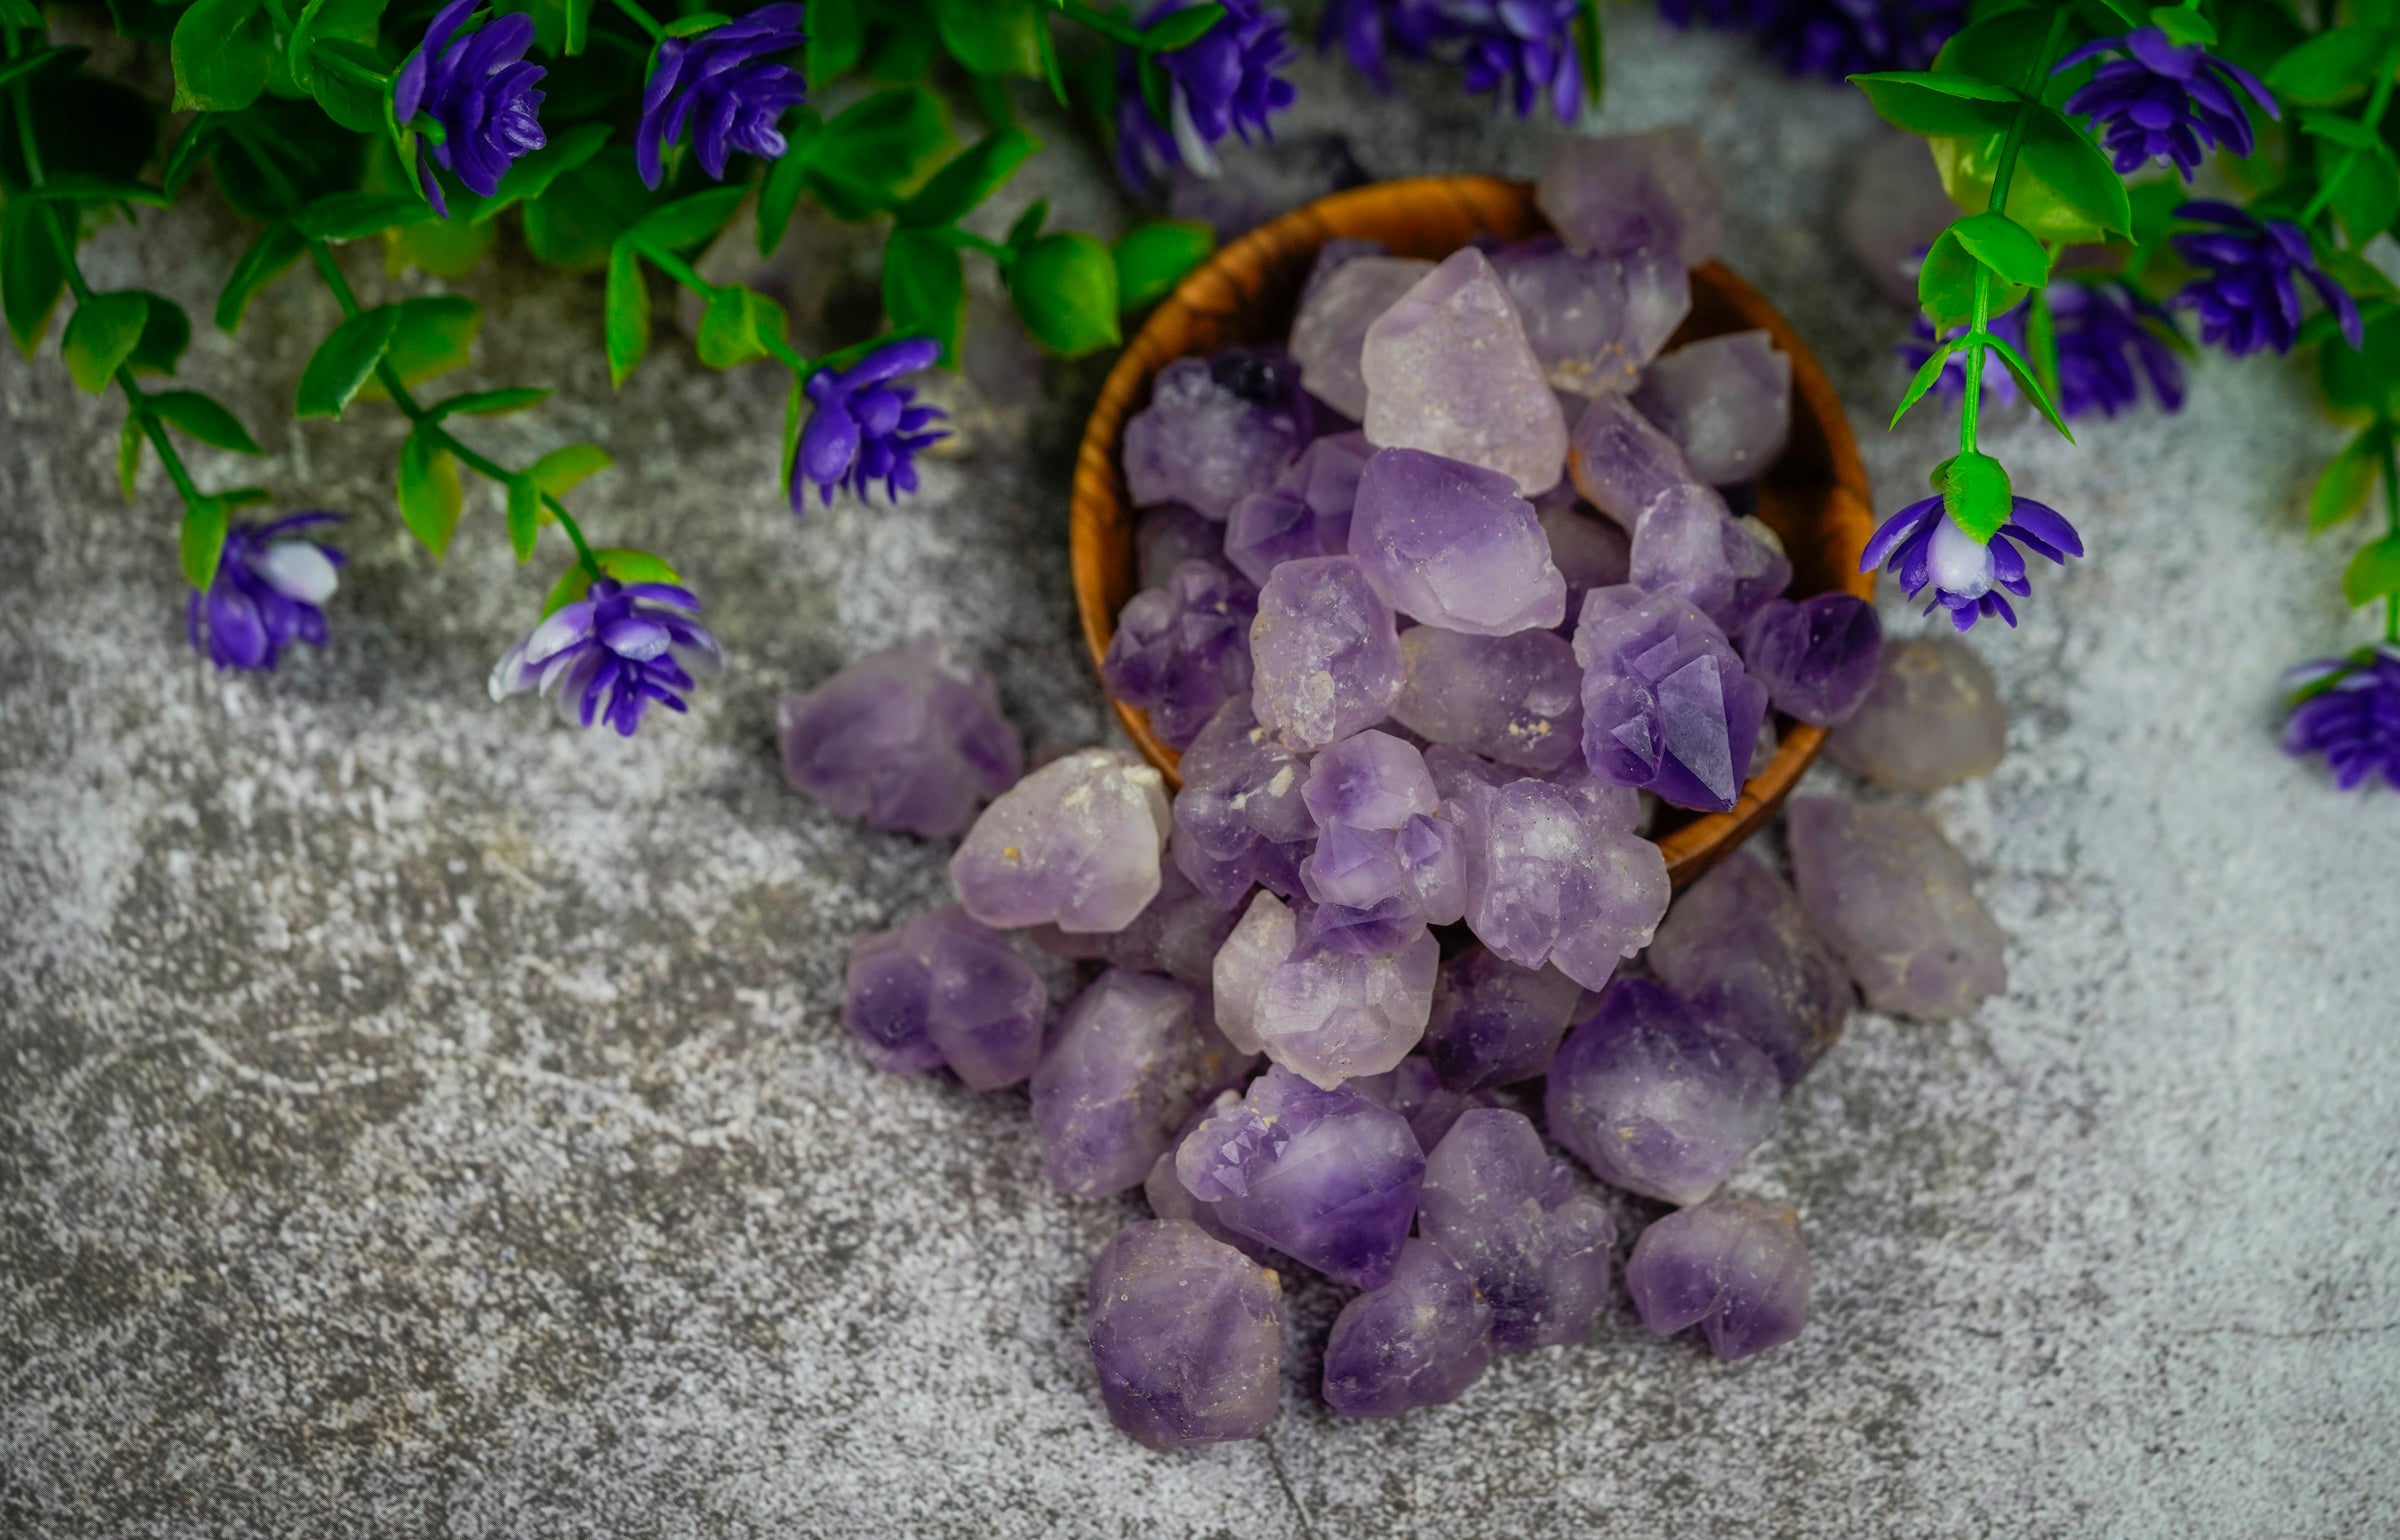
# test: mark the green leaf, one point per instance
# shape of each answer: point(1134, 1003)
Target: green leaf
point(1065, 287)
point(524, 516)
point(2041, 338)
point(2077, 171)
point(1927, 373)
point(579, 25)
point(2183, 25)
point(626, 319)
point(2368, 379)
point(25, 66)
point(184, 156)
point(2329, 69)
point(872, 156)
point(345, 28)
point(567, 467)
point(223, 52)
point(1975, 492)
point(32, 274)
point(75, 187)
point(1054, 77)
point(1153, 258)
point(1025, 227)
point(269, 258)
point(1181, 29)
point(735, 327)
point(166, 332)
point(2374, 573)
point(575, 223)
point(204, 420)
point(2004, 246)
point(619, 562)
point(2030, 384)
point(532, 176)
point(446, 248)
point(2367, 198)
point(101, 335)
point(202, 539)
point(972, 175)
point(436, 335)
point(1999, 50)
point(25, 16)
point(793, 416)
point(837, 36)
point(344, 359)
point(2347, 132)
point(688, 221)
point(430, 494)
point(993, 37)
point(786, 179)
point(696, 22)
point(2342, 490)
point(347, 216)
point(490, 403)
point(130, 439)
point(925, 288)
point(1939, 105)
point(1946, 283)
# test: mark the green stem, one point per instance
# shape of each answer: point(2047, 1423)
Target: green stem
point(336, 64)
point(2373, 120)
point(973, 242)
point(642, 19)
point(1110, 27)
point(685, 274)
point(439, 432)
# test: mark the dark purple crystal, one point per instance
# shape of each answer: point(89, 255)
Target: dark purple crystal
point(1496, 1201)
point(1183, 649)
point(1817, 657)
point(1187, 1336)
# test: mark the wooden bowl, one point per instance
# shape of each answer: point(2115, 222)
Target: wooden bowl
point(1815, 496)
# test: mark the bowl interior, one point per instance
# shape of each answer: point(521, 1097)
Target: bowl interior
point(1814, 496)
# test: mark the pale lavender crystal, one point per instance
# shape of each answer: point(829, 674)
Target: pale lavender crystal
point(1306, 512)
point(1329, 1012)
point(1725, 401)
point(1416, 1092)
point(1215, 429)
point(1331, 328)
point(907, 738)
point(1183, 649)
point(1075, 844)
point(1734, 1267)
point(1495, 1023)
point(1354, 868)
point(1654, 1099)
point(944, 990)
point(1452, 545)
point(1325, 655)
point(1688, 543)
point(1186, 1335)
point(1326, 478)
point(1379, 931)
point(1817, 657)
point(1667, 706)
point(1589, 552)
point(1894, 208)
point(1895, 899)
point(1333, 256)
point(1133, 1057)
point(1255, 947)
point(1171, 535)
point(1369, 780)
point(1496, 1201)
point(1240, 809)
point(1620, 460)
point(1327, 1177)
point(1178, 934)
point(1622, 193)
point(1738, 947)
point(1420, 1340)
point(1515, 698)
point(1553, 880)
point(1449, 371)
point(1164, 1191)
point(1457, 772)
point(1594, 320)
point(1931, 719)
point(1432, 856)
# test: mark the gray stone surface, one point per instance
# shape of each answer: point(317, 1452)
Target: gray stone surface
point(418, 1120)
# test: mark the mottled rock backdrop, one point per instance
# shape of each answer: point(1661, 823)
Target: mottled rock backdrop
point(417, 1119)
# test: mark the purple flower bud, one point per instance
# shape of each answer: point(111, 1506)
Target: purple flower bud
point(1925, 548)
point(1224, 82)
point(269, 591)
point(1523, 51)
point(2164, 102)
point(608, 655)
point(2347, 710)
point(866, 429)
point(1364, 29)
point(479, 88)
point(726, 87)
point(2246, 294)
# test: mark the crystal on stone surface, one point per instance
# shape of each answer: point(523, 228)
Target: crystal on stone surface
point(1690, 545)
point(1656, 1100)
point(1240, 805)
point(1164, 1191)
point(1216, 429)
point(1178, 933)
point(1420, 1340)
point(908, 738)
point(1369, 780)
point(944, 990)
point(1416, 1092)
point(1131, 1060)
point(1075, 844)
point(1620, 460)
point(1734, 1267)
point(1183, 649)
point(1508, 1213)
point(1329, 1012)
point(1588, 552)
point(1452, 545)
point(1817, 657)
point(1255, 948)
point(1331, 329)
point(1495, 1023)
point(1593, 320)
point(1170, 535)
point(1516, 699)
point(1667, 706)
point(1738, 947)
point(1895, 899)
point(1620, 193)
point(1931, 719)
point(1550, 881)
point(1449, 371)
point(1327, 1177)
point(1186, 1335)
point(1725, 401)
point(1325, 655)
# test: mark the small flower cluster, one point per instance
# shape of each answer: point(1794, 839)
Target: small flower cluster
point(2347, 712)
point(1524, 53)
point(1224, 83)
point(1832, 38)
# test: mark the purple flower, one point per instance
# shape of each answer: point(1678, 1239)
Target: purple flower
point(2164, 102)
point(2348, 710)
point(1523, 51)
point(1924, 546)
point(2245, 294)
point(1365, 29)
point(611, 653)
point(727, 86)
point(1999, 386)
point(269, 591)
point(864, 428)
point(1223, 83)
point(1833, 38)
point(2101, 342)
point(479, 88)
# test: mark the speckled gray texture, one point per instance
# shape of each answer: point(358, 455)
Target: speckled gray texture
point(418, 1120)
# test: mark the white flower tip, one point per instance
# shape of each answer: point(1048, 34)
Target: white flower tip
point(297, 569)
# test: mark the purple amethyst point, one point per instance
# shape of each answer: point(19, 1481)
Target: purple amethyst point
point(1735, 1267)
point(1187, 1336)
point(1496, 1201)
point(1420, 1340)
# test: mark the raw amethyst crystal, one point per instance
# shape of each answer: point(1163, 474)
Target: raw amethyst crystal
point(1420, 1340)
point(1740, 950)
point(1413, 1090)
point(944, 990)
point(1171, 535)
point(1333, 256)
point(1131, 1060)
point(1075, 844)
point(1187, 1336)
point(1517, 699)
point(1817, 657)
point(1894, 208)
point(1452, 545)
point(1734, 1267)
point(1178, 934)
point(1895, 900)
point(1725, 401)
point(1183, 649)
point(1667, 707)
point(1331, 329)
point(1370, 780)
point(1656, 1100)
point(1306, 512)
point(1594, 321)
point(1620, 460)
point(1624, 193)
point(1432, 857)
point(1354, 868)
point(1240, 807)
point(1325, 1176)
point(1449, 371)
point(1164, 1191)
point(908, 738)
point(1688, 544)
point(1255, 948)
point(1931, 719)
point(1329, 1012)
point(1495, 1023)
point(1589, 553)
point(1325, 656)
point(1510, 1215)
point(1215, 429)
point(1550, 880)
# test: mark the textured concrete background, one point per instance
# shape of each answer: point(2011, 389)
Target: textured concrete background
point(416, 1119)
